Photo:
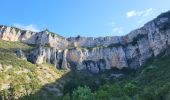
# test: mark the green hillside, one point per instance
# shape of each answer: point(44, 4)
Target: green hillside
point(20, 79)
point(151, 82)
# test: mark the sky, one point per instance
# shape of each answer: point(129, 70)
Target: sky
point(89, 18)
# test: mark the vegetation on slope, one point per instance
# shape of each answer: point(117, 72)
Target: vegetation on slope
point(151, 82)
point(19, 77)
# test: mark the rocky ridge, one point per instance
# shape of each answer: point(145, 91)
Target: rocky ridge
point(95, 54)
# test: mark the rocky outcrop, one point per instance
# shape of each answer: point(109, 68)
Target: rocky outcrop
point(34, 38)
point(96, 54)
point(20, 54)
point(1, 68)
point(91, 42)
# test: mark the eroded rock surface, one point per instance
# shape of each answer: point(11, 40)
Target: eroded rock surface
point(96, 54)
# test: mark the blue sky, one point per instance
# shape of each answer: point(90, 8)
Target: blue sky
point(81, 17)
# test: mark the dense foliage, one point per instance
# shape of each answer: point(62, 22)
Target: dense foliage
point(151, 82)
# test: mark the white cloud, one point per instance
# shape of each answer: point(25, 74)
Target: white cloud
point(118, 30)
point(144, 13)
point(131, 13)
point(30, 27)
point(115, 28)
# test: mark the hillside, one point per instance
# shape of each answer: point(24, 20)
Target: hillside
point(150, 82)
point(19, 77)
point(46, 66)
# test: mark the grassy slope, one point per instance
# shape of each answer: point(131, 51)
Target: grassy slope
point(22, 76)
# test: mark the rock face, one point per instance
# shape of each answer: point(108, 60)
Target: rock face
point(20, 54)
point(36, 38)
point(96, 54)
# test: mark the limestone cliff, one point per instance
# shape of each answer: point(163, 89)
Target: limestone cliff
point(96, 54)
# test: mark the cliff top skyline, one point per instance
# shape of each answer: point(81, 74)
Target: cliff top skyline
point(85, 18)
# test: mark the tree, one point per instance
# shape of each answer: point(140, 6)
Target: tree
point(12, 92)
point(66, 97)
point(83, 93)
point(78, 37)
point(4, 95)
point(108, 92)
point(130, 89)
point(103, 95)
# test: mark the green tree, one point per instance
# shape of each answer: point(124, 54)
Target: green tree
point(108, 92)
point(66, 97)
point(82, 93)
point(12, 94)
point(4, 95)
point(103, 95)
point(130, 89)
